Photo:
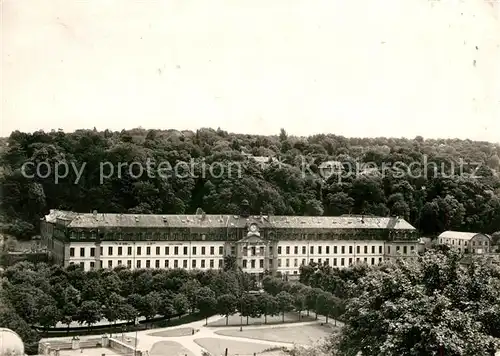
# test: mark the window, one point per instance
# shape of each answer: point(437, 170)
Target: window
point(82, 251)
point(334, 261)
point(357, 249)
point(303, 262)
point(405, 249)
point(193, 263)
point(119, 262)
point(212, 250)
point(365, 250)
point(296, 250)
point(157, 264)
point(311, 250)
point(211, 263)
point(287, 250)
point(319, 250)
point(252, 263)
point(380, 249)
point(373, 249)
point(92, 265)
point(341, 261)
point(388, 249)
point(327, 250)
point(176, 264)
point(194, 251)
point(342, 249)
point(166, 263)
point(185, 263)
point(203, 250)
point(119, 250)
point(279, 250)
point(221, 250)
point(244, 263)
point(167, 250)
point(82, 265)
point(185, 250)
point(327, 261)
point(129, 263)
point(129, 251)
point(110, 250)
point(100, 250)
point(202, 263)
point(92, 251)
point(295, 262)
point(287, 263)
point(148, 264)
point(138, 264)
point(157, 250)
point(176, 250)
point(350, 261)
point(304, 250)
point(279, 262)
point(138, 251)
point(334, 250)
point(220, 263)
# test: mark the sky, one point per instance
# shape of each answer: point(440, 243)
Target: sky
point(360, 68)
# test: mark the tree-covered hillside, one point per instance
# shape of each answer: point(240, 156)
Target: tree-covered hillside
point(435, 184)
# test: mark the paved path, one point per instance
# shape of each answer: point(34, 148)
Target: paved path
point(146, 341)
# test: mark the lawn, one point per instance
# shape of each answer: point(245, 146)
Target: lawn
point(235, 320)
point(174, 332)
point(169, 348)
point(303, 335)
point(217, 347)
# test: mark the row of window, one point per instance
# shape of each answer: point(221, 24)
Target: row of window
point(157, 264)
point(474, 243)
point(335, 249)
point(212, 263)
point(121, 250)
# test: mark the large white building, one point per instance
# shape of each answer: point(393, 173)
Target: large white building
point(277, 244)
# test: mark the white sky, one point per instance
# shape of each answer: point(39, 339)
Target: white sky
point(356, 68)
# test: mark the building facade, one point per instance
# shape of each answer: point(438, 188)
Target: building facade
point(466, 242)
point(260, 244)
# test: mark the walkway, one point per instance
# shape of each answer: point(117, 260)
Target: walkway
point(146, 341)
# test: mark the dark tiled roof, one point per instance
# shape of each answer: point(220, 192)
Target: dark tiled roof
point(86, 220)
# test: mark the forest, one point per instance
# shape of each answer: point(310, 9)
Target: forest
point(448, 184)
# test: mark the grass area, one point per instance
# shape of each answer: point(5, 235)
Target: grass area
point(235, 320)
point(174, 332)
point(169, 348)
point(303, 335)
point(218, 346)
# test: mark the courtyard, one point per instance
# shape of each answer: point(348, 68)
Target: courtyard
point(215, 337)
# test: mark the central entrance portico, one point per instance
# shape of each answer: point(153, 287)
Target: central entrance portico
point(255, 255)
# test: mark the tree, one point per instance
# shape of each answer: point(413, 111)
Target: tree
point(299, 302)
point(89, 313)
point(207, 303)
point(285, 303)
point(435, 304)
point(190, 290)
point(181, 304)
point(322, 304)
point(249, 306)
point(48, 316)
point(267, 305)
point(226, 305)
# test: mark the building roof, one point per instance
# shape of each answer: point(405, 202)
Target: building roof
point(460, 235)
point(10, 343)
point(89, 220)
